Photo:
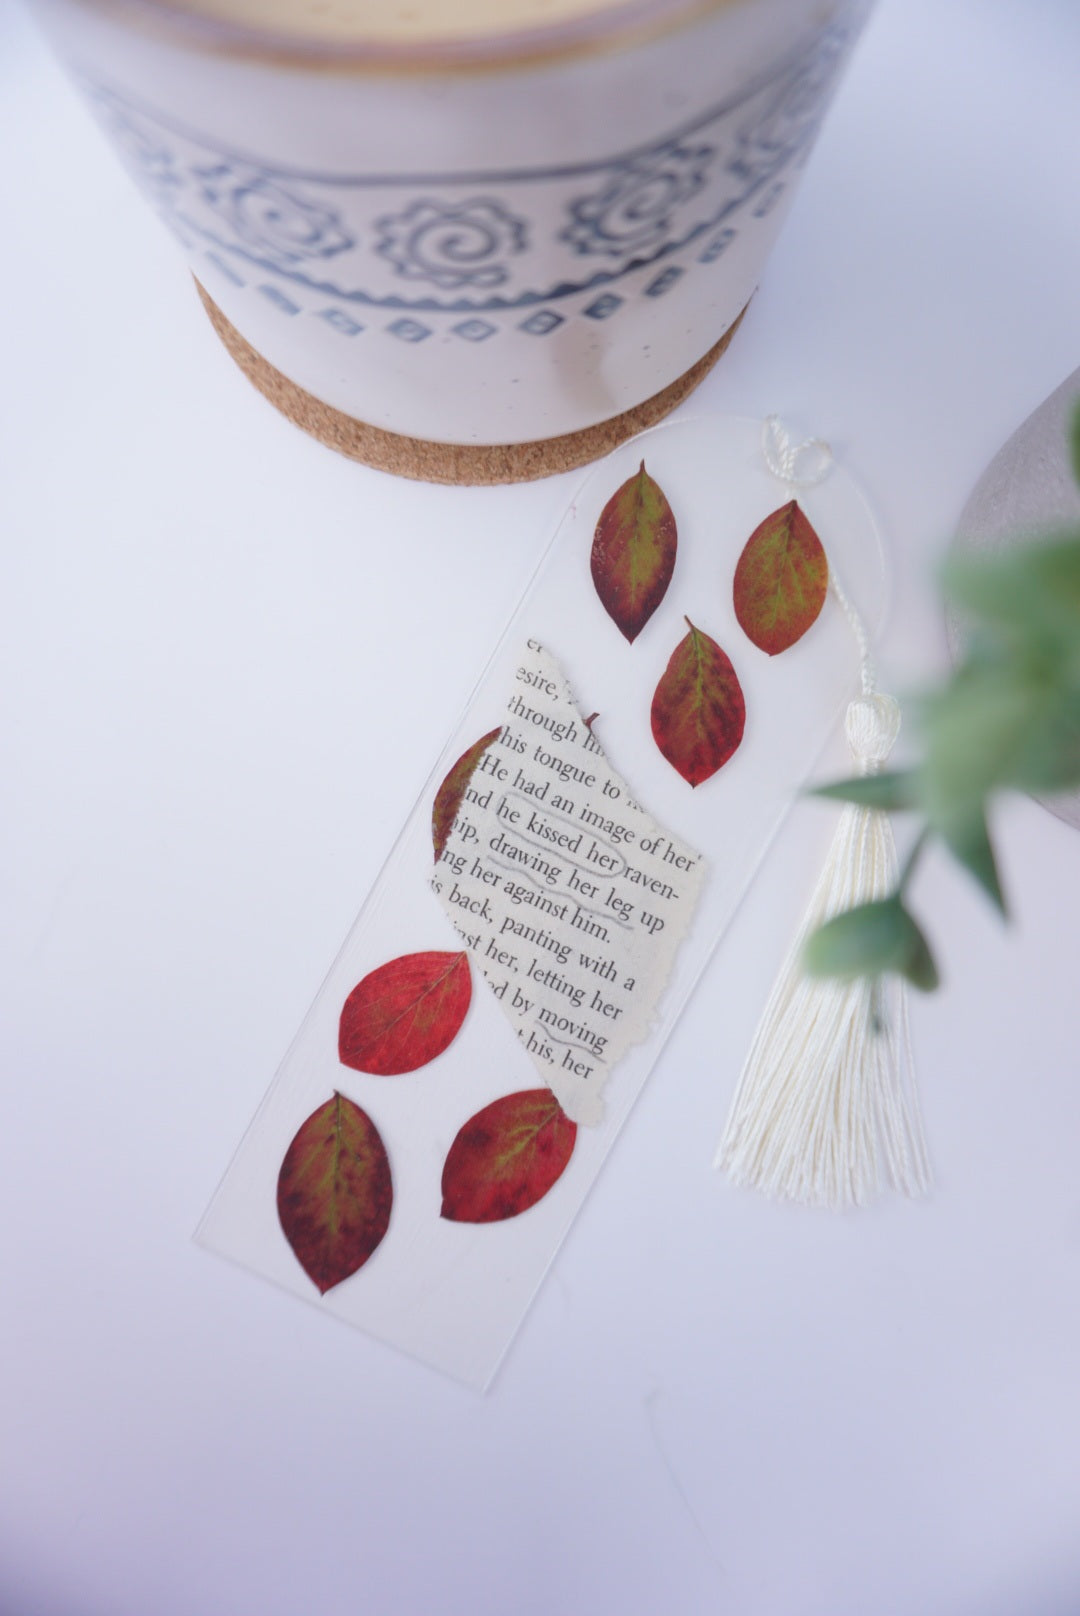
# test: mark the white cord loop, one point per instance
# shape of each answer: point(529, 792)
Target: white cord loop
point(800, 465)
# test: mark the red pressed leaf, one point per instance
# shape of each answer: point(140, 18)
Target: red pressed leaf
point(506, 1157)
point(334, 1192)
point(405, 1013)
point(633, 553)
point(698, 711)
point(451, 793)
point(781, 580)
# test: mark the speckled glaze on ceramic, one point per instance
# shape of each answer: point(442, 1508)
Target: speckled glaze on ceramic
point(484, 248)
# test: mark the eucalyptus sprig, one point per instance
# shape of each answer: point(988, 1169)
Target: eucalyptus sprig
point(1008, 718)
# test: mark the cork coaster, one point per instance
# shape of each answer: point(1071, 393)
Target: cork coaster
point(469, 463)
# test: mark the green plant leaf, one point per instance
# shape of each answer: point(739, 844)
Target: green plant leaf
point(1031, 587)
point(995, 726)
point(1008, 717)
point(968, 841)
point(892, 791)
point(977, 729)
point(920, 968)
point(870, 940)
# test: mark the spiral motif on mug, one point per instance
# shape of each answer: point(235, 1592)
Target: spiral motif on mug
point(277, 222)
point(635, 210)
point(452, 244)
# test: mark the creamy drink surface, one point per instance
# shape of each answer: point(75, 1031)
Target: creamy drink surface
point(393, 21)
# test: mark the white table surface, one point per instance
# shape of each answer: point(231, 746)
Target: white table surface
point(210, 624)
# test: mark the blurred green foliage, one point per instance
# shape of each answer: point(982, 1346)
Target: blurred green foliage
point(1008, 718)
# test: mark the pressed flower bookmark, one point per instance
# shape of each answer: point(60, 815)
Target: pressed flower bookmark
point(562, 883)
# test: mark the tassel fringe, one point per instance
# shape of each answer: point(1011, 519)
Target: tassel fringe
point(826, 1111)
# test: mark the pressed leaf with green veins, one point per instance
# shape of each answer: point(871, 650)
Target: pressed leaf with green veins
point(405, 1013)
point(698, 711)
point(334, 1192)
point(633, 552)
point(781, 580)
point(506, 1158)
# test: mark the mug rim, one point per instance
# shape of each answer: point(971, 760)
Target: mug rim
point(610, 27)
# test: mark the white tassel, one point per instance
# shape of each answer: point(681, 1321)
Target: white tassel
point(826, 1109)
point(826, 1105)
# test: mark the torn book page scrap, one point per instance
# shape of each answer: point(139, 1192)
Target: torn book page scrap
point(570, 897)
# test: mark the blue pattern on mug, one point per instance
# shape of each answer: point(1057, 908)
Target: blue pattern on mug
point(452, 244)
point(473, 253)
point(636, 210)
point(286, 227)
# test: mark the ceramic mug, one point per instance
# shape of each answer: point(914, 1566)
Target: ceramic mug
point(483, 259)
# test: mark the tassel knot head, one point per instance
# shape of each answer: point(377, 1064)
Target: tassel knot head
point(872, 724)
